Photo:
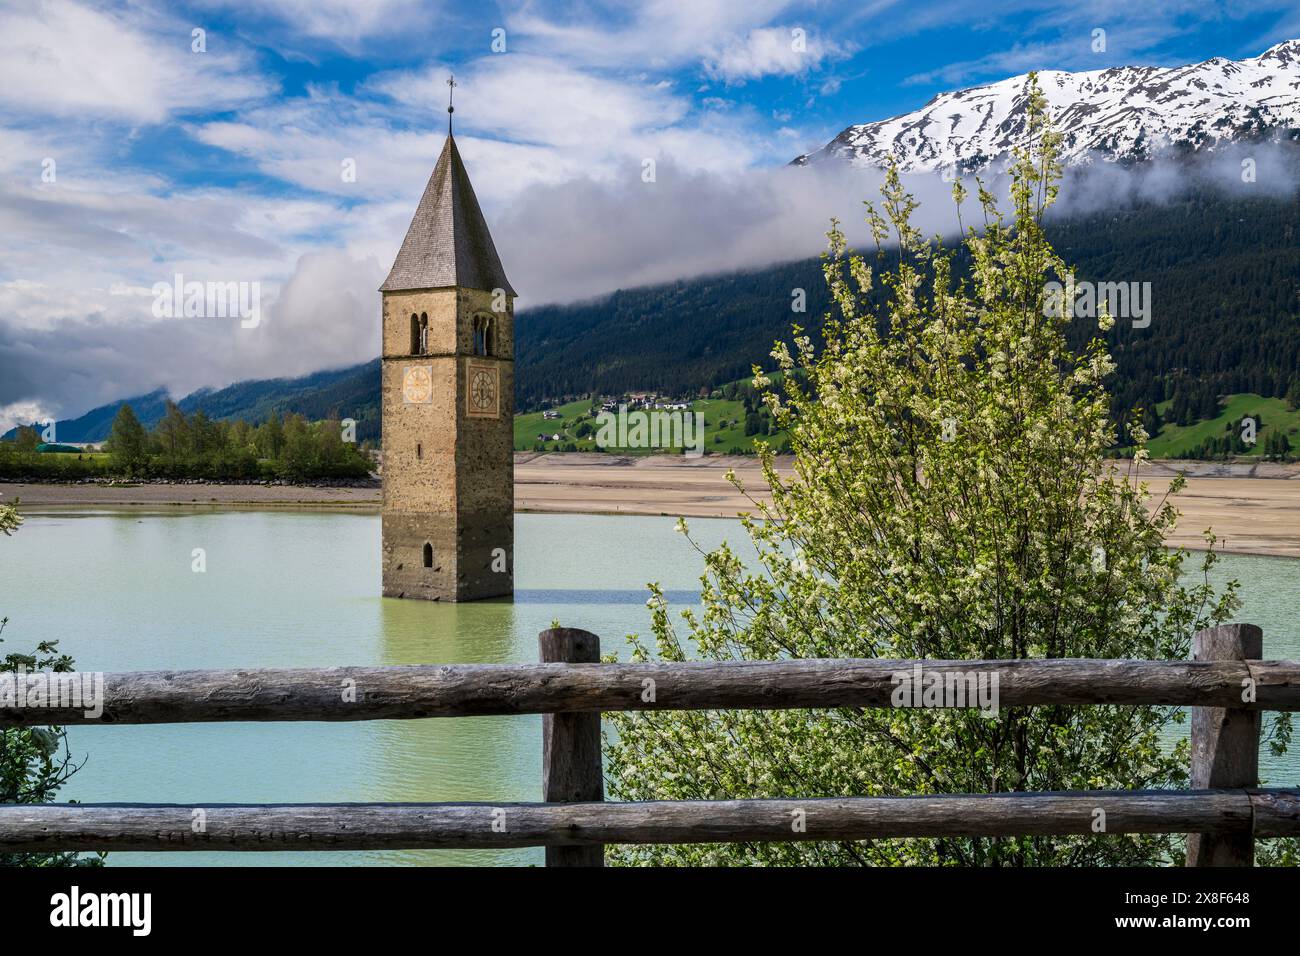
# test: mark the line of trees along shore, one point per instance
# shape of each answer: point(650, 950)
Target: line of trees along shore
point(287, 448)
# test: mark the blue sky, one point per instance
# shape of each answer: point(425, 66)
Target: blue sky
point(704, 70)
point(225, 164)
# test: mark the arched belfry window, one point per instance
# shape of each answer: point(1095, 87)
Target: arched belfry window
point(415, 334)
point(482, 335)
point(428, 555)
point(424, 334)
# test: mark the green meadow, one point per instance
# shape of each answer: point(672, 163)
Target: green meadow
point(1176, 440)
point(724, 428)
point(577, 427)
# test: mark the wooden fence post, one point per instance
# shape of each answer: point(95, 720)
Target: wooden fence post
point(571, 759)
point(1225, 745)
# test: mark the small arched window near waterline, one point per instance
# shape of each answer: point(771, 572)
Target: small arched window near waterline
point(428, 555)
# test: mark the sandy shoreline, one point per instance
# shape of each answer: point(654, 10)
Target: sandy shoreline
point(1255, 509)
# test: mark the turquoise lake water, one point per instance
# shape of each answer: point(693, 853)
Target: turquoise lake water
point(294, 589)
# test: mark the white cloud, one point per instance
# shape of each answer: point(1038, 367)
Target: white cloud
point(79, 256)
point(64, 58)
point(535, 99)
point(522, 120)
point(325, 315)
point(77, 241)
point(655, 33)
point(24, 413)
point(603, 236)
point(626, 233)
point(310, 151)
point(347, 23)
point(770, 51)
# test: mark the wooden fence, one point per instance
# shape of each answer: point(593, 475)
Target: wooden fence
point(1227, 685)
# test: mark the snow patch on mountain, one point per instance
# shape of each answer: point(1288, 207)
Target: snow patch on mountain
point(1123, 114)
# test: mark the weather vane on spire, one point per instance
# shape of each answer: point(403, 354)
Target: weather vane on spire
point(451, 92)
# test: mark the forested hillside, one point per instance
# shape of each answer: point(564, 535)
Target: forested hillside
point(351, 392)
point(1225, 280)
point(677, 338)
point(1225, 283)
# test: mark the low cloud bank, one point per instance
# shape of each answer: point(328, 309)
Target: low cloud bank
point(581, 238)
point(324, 316)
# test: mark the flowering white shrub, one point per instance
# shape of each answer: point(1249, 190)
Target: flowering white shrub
point(949, 499)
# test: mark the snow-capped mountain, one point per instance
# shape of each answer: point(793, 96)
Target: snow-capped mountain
point(1124, 114)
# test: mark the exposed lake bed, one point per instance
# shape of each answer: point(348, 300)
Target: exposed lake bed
point(1253, 507)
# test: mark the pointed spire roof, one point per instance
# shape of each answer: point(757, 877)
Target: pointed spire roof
point(448, 243)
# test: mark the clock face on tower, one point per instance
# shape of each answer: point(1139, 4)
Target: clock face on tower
point(482, 391)
point(417, 385)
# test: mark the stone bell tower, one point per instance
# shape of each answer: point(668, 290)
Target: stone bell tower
point(448, 401)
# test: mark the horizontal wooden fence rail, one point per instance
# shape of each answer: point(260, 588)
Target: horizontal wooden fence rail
point(1261, 813)
point(1227, 685)
point(475, 690)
